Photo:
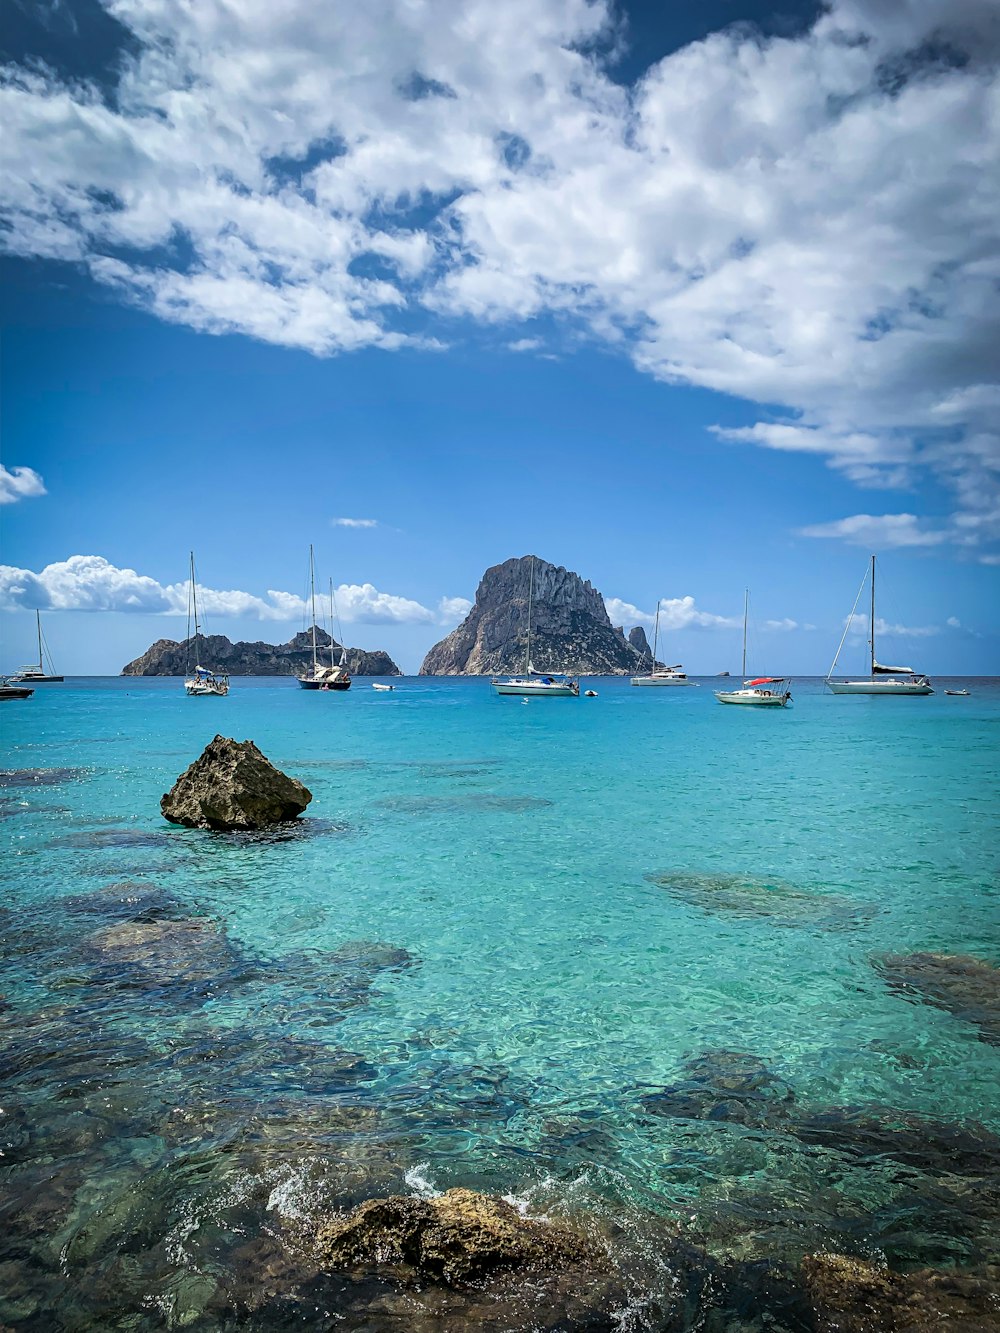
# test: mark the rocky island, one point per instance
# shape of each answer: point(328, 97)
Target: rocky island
point(167, 657)
point(570, 628)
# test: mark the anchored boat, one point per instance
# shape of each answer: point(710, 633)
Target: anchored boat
point(36, 673)
point(543, 684)
point(883, 679)
point(318, 677)
point(674, 675)
point(762, 692)
point(202, 682)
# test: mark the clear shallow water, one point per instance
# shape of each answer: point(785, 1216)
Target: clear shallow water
point(581, 897)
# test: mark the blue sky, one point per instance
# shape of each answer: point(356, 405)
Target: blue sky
point(683, 306)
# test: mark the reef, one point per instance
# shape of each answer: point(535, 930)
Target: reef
point(965, 986)
point(232, 786)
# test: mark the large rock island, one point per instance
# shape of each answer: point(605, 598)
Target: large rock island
point(168, 658)
point(570, 628)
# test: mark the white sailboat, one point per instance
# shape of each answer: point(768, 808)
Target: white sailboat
point(202, 682)
point(318, 677)
point(763, 691)
point(543, 684)
point(36, 673)
point(674, 675)
point(883, 679)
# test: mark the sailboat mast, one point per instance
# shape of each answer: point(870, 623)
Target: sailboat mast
point(871, 632)
point(312, 594)
point(194, 603)
point(331, 624)
point(656, 632)
point(531, 588)
point(746, 608)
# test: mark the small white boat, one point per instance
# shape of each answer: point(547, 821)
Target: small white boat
point(672, 675)
point(883, 679)
point(383, 687)
point(540, 684)
point(590, 694)
point(203, 682)
point(958, 694)
point(763, 691)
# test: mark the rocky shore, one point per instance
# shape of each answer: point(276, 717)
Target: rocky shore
point(166, 657)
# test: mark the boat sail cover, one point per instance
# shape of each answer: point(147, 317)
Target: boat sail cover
point(879, 670)
point(766, 680)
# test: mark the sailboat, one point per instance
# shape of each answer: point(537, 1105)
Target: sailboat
point(763, 691)
point(36, 673)
point(883, 679)
point(318, 677)
point(674, 675)
point(545, 684)
point(202, 682)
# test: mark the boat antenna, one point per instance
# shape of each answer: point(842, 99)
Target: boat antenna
point(871, 633)
point(312, 593)
point(531, 588)
point(847, 627)
point(746, 608)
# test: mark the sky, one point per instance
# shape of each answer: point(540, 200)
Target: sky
point(686, 298)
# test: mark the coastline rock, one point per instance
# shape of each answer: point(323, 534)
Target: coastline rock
point(851, 1295)
point(167, 657)
point(458, 1237)
point(231, 785)
point(967, 987)
point(729, 1086)
point(637, 638)
point(570, 629)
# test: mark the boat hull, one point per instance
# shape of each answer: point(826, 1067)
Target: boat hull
point(538, 689)
point(198, 690)
point(15, 692)
point(652, 680)
point(30, 678)
point(753, 698)
point(324, 684)
point(879, 687)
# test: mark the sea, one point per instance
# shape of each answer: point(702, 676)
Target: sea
point(692, 978)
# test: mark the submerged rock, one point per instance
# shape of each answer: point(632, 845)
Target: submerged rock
point(730, 1086)
point(233, 786)
point(965, 986)
point(851, 1295)
point(458, 1237)
point(162, 952)
point(38, 777)
point(745, 897)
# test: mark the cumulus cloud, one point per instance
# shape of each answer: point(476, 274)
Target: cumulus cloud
point(19, 483)
point(675, 613)
point(807, 221)
point(452, 610)
point(91, 583)
point(858, 625)
point(355, 522)
point(879, 532)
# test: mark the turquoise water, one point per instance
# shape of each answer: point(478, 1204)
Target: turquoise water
point(583, 898)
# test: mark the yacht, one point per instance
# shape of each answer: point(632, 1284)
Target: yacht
point(36, 673)
point(662, 675)
point(762, 691)
point(317, 676)
point(882, 679)
point(552, 684)
point(202, 682)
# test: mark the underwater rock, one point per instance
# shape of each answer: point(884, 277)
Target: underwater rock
point(745, 898)
point(931, 1147)
point(162, 952)
point(458, 1237)
point(965, 986)
point(851, 1295)
point(231, 785)
point(465, 804)
point(38, 777)
point(125, 900)
point(112, 837)
point(729, 1086)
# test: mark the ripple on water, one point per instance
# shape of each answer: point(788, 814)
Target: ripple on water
point(465, 804)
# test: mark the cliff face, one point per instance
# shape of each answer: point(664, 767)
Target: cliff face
point(570, 628)
point(169, 658)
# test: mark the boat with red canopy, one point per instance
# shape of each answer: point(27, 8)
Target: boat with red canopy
point(762, 691)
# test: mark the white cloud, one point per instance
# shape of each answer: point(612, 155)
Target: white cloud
point(879, 532)
point(803, 221)
point(525, 345)
point(452, 610)
point(91, 583)
point(19, 483)
point(953, 622)
point(355, 522)
point(675, 613)
point(784, 625)
point(883, 629)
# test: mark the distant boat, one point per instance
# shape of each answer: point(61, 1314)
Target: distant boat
point(958, 694)
point(9, 689)
point(883, 679)
point(202, 682)
point(317, 677)
point(674, 675)
point(383, 687)
point(763, 691)
point(36, 673)
point(552, 684)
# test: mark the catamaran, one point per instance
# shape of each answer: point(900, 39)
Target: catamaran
point(883, 679)
point(761, 692)
point(672, 675)
point(36, 673)
point(202, 682)
point(317, 677)
point(544, 684)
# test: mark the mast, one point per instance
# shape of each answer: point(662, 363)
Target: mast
point(746, 608)
point(312, 593)
point(531, 587)
point(194, 603)
point(331, 624)
point(656, 633)
point(871, 632)
point(38, 622)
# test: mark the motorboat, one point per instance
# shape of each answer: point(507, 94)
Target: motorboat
point(10, 689)
point(958, 694)
point(377, 686)
point(881, 679)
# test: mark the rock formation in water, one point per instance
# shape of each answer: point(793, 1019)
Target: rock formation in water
point(852, 1295)
point(458, 1237)
point(169, 658)
point(232, 786)
point(570, 629)
point(637, 638)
